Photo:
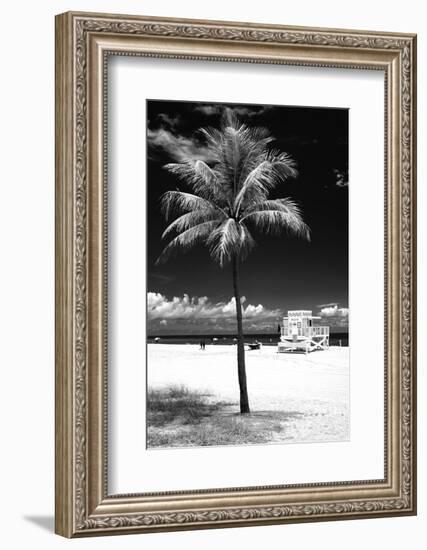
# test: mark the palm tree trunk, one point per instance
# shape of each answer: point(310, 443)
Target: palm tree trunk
point(241, 369)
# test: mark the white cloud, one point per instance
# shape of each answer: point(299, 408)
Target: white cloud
point(178, 147)
point(240, 110)
point(334, 310)
point(341, 178)
point(168, 120)
point(334, 315)
point(201, 308)
point(208, 110)
point(328, 305)
point(251, 112)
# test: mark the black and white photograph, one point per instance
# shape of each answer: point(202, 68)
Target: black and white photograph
point(213, 257)
point(247, 270)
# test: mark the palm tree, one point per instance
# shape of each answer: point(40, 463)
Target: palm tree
point(229, 199)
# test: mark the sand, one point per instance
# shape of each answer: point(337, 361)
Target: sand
point(313, 388)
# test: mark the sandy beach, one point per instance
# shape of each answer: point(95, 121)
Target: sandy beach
point(309, 393)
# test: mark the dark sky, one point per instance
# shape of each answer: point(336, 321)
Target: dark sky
point(190, 293)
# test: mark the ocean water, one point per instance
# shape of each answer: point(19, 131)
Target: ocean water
point(335, 339)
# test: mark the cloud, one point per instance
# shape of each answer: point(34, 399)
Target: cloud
point(333, 311)
point(166, 137)
point(336, 316)
point(202, 313)
point(341, 179)
point(331, 304)
point(171, 121)
point(240, 110)
point(208, 110)
point(178, 147)
point(251, 112)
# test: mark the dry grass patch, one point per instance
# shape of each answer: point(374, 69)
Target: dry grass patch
point(178, 417)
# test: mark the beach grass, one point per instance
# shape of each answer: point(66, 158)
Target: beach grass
point(179, 417)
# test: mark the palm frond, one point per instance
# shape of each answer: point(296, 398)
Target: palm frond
point(229, 240)
point(256, 150)
point(275, 168)
point(192, 219)
point(197, 234)
point(229, 119)
point(223, 242)
point(213, 137)
point(185, 171)
point(178, 202)
point(231, 155)
point(247, 242)
point(276, 221)
point(256, 186)
point(201, 178)
point(286, 205)
point(282, 165)
point(236, 149)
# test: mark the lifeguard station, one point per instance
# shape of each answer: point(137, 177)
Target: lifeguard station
point(299, 332)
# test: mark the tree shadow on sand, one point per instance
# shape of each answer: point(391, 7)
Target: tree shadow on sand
point(178, 417)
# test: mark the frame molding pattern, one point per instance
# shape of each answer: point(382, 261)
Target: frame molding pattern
point(77, 28)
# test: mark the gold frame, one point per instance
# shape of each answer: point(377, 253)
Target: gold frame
point(83, 42)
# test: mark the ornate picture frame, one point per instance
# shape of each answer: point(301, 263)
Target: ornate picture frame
point(83, 44)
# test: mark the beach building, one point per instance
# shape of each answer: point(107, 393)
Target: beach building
point(300, 332)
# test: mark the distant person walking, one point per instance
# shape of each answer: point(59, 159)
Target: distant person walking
point(202, 344)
